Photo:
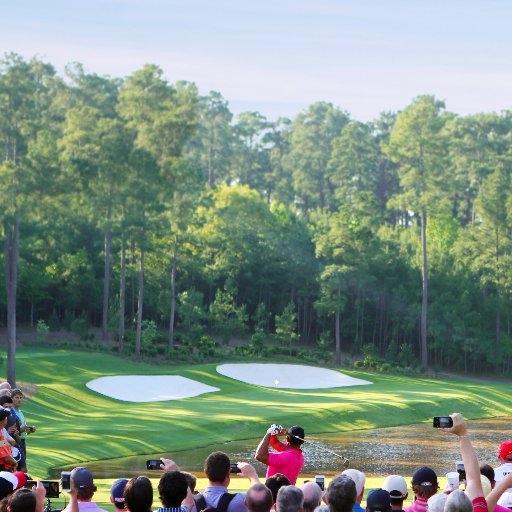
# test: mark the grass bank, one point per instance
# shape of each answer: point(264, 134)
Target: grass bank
point(78, 425)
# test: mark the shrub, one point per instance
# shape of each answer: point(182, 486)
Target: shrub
point(42, 330)
point(79, 327)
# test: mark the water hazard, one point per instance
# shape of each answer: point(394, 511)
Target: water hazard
point(377, 452)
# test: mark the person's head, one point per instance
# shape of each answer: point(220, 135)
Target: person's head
point(4, 414)
point(5, 392)
point(9, 482)
point(6, 401)
point(22, 500)
point(378, 500)
point(258, 498)
point(84, 483)
point(341, 494)
point(436, 503)
point(216, 467)
point(191, 480)
point(275, 482)
point(397, 488)
point(312, 496)
point(117, 493)
point(138, 494)
point(5, 385)
point(458, 501)
point(359, 480)
point(424, 482)
point(488, 471)
point(289, 499)
point(172, 488)
point(295, 435)
point(17, 396)
point(505, 451)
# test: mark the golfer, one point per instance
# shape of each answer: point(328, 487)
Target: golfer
point(288, 458)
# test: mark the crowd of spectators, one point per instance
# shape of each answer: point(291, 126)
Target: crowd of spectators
point(483, 489)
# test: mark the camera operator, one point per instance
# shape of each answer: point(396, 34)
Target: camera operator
point(27, 500)
point(83, 483)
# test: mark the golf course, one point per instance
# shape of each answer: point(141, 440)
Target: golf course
point(76, 425)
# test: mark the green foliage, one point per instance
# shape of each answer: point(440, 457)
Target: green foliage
point(42, 329)
point(228, 318)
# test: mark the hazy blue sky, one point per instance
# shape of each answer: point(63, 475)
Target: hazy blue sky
point(365, 56)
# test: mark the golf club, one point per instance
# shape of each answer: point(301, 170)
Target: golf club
point(345, 460)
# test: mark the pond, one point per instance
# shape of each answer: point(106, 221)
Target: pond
point(376, 452)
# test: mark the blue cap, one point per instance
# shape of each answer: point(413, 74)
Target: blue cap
point(117, 490)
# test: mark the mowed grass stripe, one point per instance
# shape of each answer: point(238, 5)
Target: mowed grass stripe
point(76, 424)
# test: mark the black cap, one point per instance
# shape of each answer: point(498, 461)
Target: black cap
point(424, 476)
point(295, 434)
point(378, 500)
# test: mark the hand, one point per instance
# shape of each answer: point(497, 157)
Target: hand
point(189, 499)
point(32, 429)
point(39, 491)
point(168, 465)
point(274, 429)
point(459, 425)
point(247, 470)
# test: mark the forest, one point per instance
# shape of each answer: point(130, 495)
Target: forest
point(139, 207)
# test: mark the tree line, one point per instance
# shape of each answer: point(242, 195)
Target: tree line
point(136, 202)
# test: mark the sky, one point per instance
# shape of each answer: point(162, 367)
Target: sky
point(280, 56)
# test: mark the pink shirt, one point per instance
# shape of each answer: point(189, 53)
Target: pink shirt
point(288, 461)
point(418, 505)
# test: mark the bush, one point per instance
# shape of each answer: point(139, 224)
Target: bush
point(358, 364)
point(42, 330)
point(80, 328)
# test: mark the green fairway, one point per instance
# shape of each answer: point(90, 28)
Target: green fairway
point(77, 425)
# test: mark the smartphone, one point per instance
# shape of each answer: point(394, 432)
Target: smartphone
point(320, 480)
point(65, 481)
point(153, 464)
point(51, 486)
point(442, 422)
point(459, 467)
point(234, 468)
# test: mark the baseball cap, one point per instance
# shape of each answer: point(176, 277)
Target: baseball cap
point(424, 476)
point(22, 478)
point(17, 391)
point(117, 490)
point(505, 450)
point(82, 477)
point(378, 500)
point(296, 432)
point(396, 486)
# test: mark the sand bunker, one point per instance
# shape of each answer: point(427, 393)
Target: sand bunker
point(290, 376)
point(148, 388)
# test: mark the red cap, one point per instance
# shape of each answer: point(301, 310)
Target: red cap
point(22, 478)
point(505, 450)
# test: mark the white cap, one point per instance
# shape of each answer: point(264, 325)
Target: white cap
point(396, 486)
point(506, 500)
point(358, 478)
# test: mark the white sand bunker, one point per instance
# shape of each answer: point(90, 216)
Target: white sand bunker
point(148, 388)
point(290, 376)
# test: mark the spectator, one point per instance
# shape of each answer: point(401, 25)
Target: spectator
point(82, 481)
point(138, 494)
point(216, 495)
point(288, 458)
point(117, 493)
point(275, 482)
point(6, 459)
point(312, 496)
point(341, 494)
point(458, 501)
point(359, 480)
point(192, 480)
point(505, 457)
point(424, 485)
point(27, 500)
point(172, 489)
point(487, 471)
point(259, 498)
point(397, 488)
point(23, 428)
point(9, 482)
point(436, 503)
point(378, 500)
point(289, 499)
point(7, 403)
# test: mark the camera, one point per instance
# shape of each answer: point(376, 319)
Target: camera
point(459, 467)
point(65, 481)
point(234, 468)
point(153, 464)
point(442, 422)
point(320, 481)
point(51, 486)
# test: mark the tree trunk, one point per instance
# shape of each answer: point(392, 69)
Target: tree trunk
point(106, 283)
point(138, 338)
point(122, 296)
point(173, 293)
point(11, 279)
point(337, 337)
point(424, 301)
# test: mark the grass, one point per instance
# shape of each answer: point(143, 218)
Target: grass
point(78, 425)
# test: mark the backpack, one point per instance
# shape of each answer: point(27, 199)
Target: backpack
point(222, 505)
